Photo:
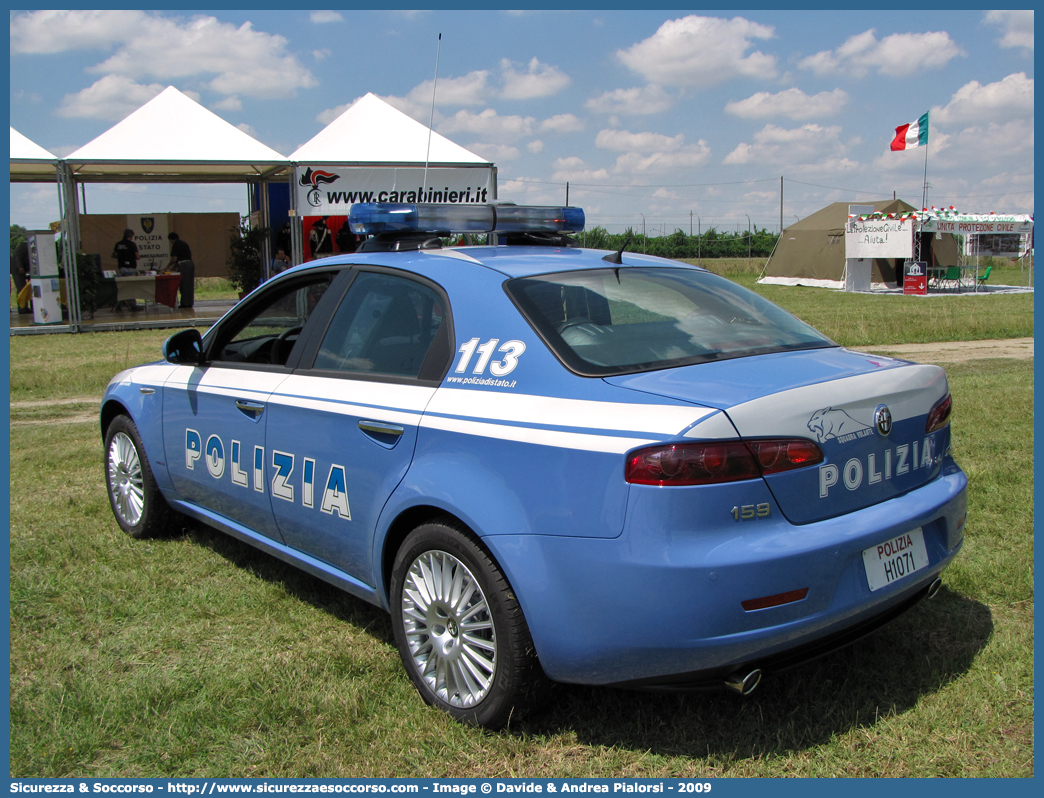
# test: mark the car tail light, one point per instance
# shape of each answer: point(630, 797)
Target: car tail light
point(783, 455)
point(712, 462)
point(939, 416)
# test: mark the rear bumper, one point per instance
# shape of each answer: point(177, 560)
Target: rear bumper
point(800, 654)
point(662, 603)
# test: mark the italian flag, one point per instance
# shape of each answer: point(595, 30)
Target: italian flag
point(912, 135)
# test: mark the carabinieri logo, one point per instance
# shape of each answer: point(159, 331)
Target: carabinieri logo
point(315, 179)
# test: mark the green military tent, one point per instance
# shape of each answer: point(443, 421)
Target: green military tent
point(812, 251)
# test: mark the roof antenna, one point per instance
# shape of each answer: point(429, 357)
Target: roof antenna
point(615, 257)
point(431, 120)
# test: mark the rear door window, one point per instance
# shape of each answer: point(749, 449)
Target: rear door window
point(387, 325)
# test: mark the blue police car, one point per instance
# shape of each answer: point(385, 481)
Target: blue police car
point(549, 462)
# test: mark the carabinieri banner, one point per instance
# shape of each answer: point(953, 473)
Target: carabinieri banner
point(332, 190)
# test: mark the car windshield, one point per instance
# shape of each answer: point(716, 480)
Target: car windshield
point(625, 320)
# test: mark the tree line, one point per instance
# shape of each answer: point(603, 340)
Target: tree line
point(679, 244)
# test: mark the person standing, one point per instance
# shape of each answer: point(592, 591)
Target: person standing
point(20, 275)
point(320, 242)
point(181, 261)
point(127, 255)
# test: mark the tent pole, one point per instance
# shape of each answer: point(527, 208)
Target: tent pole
point(296, 222)
point(265, 221)
point(70, 242)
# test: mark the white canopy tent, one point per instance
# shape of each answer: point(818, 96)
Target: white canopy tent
point(375, 153)
point(174, 138)
point(372, 132)
point(30, 162)
point(171, 138)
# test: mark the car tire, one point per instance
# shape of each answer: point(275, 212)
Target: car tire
point(135, 499)
point(460, 630)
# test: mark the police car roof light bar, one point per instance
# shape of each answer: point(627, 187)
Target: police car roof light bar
point(376, 218)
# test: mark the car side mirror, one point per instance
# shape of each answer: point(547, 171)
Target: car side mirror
point(184, 348)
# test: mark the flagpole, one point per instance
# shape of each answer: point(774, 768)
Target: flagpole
point(924, 189)
point(924, 200)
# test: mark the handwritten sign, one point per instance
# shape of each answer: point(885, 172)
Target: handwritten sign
point(879, 238)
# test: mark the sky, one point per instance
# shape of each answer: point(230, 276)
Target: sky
point(667, 119)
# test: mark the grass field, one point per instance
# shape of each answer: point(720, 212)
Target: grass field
point(195, 655)
point(869, 319)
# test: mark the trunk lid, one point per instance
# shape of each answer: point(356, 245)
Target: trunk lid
point(830, 396)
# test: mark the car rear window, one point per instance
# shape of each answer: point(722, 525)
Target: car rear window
point(620, 321)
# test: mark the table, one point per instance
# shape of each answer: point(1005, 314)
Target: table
point(162, 288)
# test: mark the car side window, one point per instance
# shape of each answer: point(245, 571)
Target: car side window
point(385, 325)
point(268, 333)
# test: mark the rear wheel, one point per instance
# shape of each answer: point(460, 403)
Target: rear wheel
point(136, 501)
point(460, 630)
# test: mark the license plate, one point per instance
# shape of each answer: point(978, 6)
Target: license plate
point(893, 559)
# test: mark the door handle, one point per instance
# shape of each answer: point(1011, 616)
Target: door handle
point(380, 428)
point(251, 409)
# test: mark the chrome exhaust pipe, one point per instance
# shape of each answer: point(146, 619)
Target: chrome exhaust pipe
point(743, 683)
point(934, 588)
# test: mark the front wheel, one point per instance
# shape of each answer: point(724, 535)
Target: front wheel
point(136, 501)
point(460, 630)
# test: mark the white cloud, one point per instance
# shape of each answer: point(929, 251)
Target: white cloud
point(625, 141)
point(242, 60)
point(526, 192)
point(22, 96)
point(973, 102)
point(489, 125)
point(993, 142)
point(496, 153)
point(701, 51)
point(232, 103)
point(324, 17)
point(330, 114)
point(793, 103)
point(574, 169)
point(680, 158)
point(651, 99)
point(322, 55)
point(898, 55)
point(111, 98)
point(1008, 179)
point(651, 152)
point(562, 123)
point(1017, 27)
point(247, 129)
point(58, 31)
point(809, 148)
point(472, 89)
point(535, 146)
point(539, 80)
